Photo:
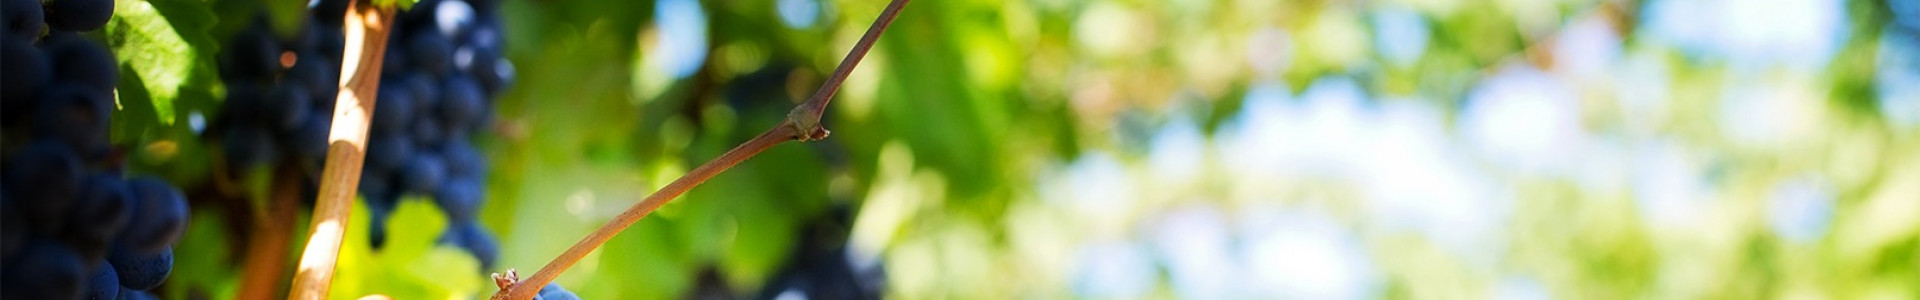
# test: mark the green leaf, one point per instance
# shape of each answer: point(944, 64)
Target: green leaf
point(144, 40)
point(402, 4)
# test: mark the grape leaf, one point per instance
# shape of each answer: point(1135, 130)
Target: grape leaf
point(144, 39)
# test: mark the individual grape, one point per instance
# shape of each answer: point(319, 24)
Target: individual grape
point(141, 270)
point(459, 198)
point(310, 140)
point(388, 152)
point(103, 284)
point(396, 62)
point(128, 294)
point(53, 174)
point(553, 291)
point(428, 130)
point(463, 161)
point(452, 17)
point(13, 227)
point(471, 236)
point(484, 37)
point(249, 146)
point(494, 75)
point(82, 61)
point(26, 71)
point(423, 173)
point(394, 109)
point(329, 12)
point(381, 198)
point(380, 207)
point(252, 54)
point(77, 116)
point(462, 101)
point(431, 51)
point(101, 211)
point(426, 91)
point(316, 74)
point(78, 15)
point(24, 18)
point(45, 270)
point(159, 216)
point(332, 41)
point(289, 106)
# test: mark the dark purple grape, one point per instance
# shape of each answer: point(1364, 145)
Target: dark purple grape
point(249, 146)
point(332, 42)
point(452, 17)
point(316, 74)
point(24, 18)
point(76, 115)
point(288, 107)
point(388, 152)
point(423, 173)
point(13, 227)
point(245, 101)
point(310, 140)
point(431, 51)
point(103, 284)
point(78, 15)
point(141, 270)
point(129, 294)
point(159, 216)
point(428, 130)
point(47, 176)
point(396, 63)
point(471, 236)
point(494, 77)
point(45, 270)
point(329, 13)
point(460, 198)
point(394, 109)
point(26, 70)
point(100, 213)
point(426, 91)
point(463, 160)
point(82, 61)
point(252, 54)
point(462, 101)
point(381, 198)
point(553, 291)
point(485, 36)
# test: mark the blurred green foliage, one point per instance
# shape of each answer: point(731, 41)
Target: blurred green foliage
point(952, 131)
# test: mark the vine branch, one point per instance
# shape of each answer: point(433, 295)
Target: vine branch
point(802, 124)
point(367, 26)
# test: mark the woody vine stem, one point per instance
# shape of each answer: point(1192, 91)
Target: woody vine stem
point(802, 124)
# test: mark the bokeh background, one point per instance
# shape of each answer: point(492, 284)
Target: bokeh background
point(1232, 149)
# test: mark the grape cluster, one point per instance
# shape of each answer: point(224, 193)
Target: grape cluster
point(280, 92)
point(73, 226)
point(443, 67)
point(821, 265)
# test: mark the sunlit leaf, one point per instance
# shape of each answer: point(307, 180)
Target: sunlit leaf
point(141, 37)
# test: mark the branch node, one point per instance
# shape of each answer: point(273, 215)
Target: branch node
point(806, 123)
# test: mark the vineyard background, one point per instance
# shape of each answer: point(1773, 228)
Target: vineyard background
point(1150, 149)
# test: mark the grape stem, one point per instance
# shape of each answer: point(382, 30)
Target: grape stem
point(367, 26)
point(802, 124)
